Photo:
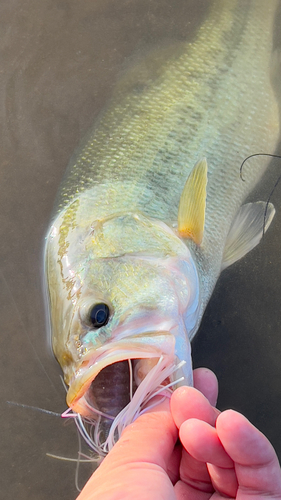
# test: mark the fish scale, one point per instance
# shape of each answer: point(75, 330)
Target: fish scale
point(137, 123)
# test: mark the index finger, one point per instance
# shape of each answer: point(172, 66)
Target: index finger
point(187, 402)
point(256, 463)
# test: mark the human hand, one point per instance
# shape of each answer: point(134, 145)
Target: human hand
point(219, 455)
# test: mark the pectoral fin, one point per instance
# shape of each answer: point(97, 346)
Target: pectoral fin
point(191, 214)
point(246, 231)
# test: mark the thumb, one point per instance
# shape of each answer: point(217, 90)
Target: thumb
point(138, 461)
point(150, 438)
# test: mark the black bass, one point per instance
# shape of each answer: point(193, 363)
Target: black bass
point(150, 211)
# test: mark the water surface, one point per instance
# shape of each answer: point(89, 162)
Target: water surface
point(60, 60)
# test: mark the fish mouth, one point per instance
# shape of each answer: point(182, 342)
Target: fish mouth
point(142, 353)
point(118, 382)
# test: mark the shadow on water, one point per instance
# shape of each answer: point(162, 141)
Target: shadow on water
point(60, 60)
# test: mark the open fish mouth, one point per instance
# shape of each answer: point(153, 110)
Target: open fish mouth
point(119, 384)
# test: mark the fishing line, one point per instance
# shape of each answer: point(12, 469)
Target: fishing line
point(78, 460)
point(68, 459)
point(273, 189)
point(35, 408)
point(252, 156)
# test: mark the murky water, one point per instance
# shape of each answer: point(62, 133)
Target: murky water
point(60, 60)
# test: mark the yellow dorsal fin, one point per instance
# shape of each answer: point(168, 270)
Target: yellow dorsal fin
point(191, 215)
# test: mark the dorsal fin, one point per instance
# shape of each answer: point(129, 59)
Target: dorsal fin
point(246, 231)
point(191, 214)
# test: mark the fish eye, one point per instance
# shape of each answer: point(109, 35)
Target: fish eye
point(99, 315)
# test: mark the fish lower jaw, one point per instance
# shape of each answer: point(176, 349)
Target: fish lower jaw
point(146, 346)
point(136, 385)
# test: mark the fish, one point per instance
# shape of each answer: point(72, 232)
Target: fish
point(151, 210)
